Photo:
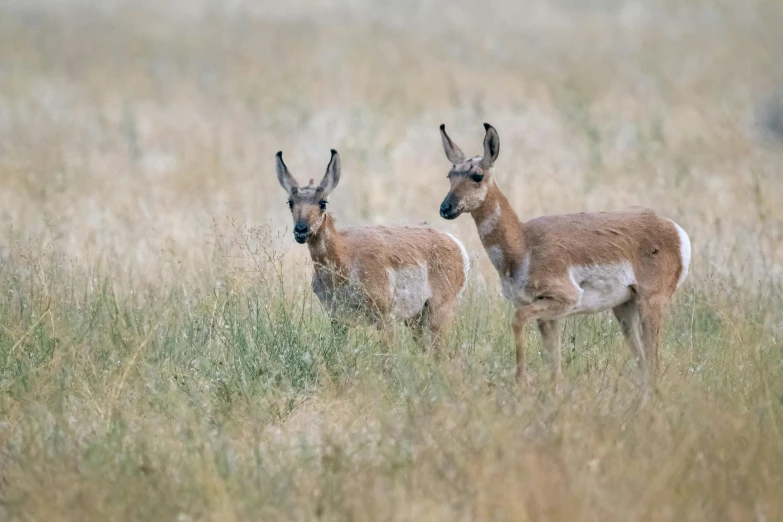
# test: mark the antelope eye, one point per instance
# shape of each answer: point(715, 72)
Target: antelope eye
point(322, 204)
point(477, 177)
point(291, 204)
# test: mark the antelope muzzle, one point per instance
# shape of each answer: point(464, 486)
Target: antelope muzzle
point(449, 209)
point(301, 232)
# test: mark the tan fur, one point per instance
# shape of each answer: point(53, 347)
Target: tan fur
point(555, 266)
point(378, 274)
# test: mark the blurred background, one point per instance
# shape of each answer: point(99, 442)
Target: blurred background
point(136, 133)
point(161, 357)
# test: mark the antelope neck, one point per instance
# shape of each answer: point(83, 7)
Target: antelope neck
point(327, 247)
point(499, 226)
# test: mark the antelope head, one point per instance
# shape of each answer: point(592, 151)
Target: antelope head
point(308, 204)
point(469, 178)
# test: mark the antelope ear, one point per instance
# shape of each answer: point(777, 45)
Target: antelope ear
point(453, 153)
point(332, 176)
point(285, 178)
point(491, 146)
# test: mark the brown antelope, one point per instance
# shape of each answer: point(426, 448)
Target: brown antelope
point(376, 274)
point(554, 266)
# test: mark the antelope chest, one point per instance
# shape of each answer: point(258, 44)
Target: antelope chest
point(514, 279)
point(343, 298)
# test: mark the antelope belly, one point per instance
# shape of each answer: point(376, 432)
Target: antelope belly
point(410, 289)
point(602, 287)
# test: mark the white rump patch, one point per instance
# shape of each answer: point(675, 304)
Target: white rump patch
point(490, 223)
point(410, 289)
point(685, 253)
point(601, 287)
point(465, 263)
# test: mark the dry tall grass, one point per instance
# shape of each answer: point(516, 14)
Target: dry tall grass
point(161, 357)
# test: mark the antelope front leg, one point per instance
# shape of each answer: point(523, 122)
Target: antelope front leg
point(550, 338)
point(546, 309)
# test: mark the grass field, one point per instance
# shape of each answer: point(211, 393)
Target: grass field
point(162, 356)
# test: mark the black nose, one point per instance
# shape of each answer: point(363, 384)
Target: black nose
point(445, 209)
point(301, 228)
point(301, 232)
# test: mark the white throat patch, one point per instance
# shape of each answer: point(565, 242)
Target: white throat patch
point(490, 223)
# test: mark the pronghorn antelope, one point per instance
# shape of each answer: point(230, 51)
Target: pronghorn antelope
point(554, 266)
point(376, 274)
